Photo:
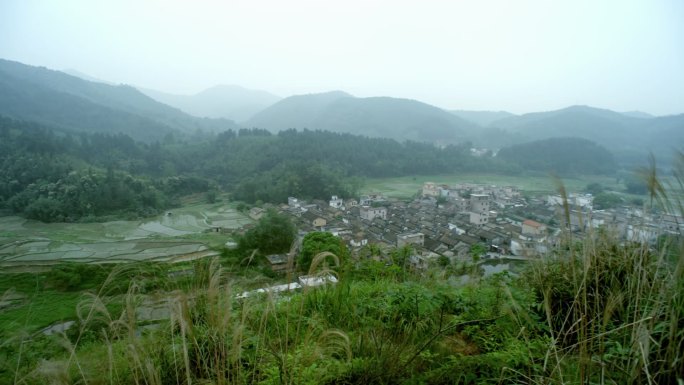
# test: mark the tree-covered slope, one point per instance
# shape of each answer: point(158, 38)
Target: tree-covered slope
point(565, 156)
point(222, 101)
point(400, 119)
point(298, 111)
point(482, 118)
point(55, 98)
point(629, 138)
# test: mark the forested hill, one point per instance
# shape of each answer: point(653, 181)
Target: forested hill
point(631, 139)
point(400, 119)
point(50, 174)
point(482, 118)
point(564, 156)
point(222, 101)
point(57, 99)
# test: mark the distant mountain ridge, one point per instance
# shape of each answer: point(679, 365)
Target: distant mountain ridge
point(337, 111)
point(638, 114)
point(629, 138)
point(482, 118)
point(58, 99)
point(222, 101)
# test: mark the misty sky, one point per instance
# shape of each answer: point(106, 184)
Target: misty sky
point(518, 56)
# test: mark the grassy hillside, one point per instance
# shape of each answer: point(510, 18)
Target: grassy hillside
point(576, 318)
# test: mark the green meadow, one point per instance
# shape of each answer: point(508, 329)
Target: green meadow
point(406, 187)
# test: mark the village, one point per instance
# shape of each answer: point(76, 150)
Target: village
point(450, 221)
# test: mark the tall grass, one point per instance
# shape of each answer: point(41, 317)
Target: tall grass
point(599, 310)
point(614, 309)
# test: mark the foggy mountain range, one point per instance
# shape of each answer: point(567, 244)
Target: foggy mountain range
point(79, 103)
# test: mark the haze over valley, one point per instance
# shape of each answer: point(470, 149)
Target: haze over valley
point(306, 192)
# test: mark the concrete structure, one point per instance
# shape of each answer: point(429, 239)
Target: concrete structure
point(280, 263)
point(430, 189)
point(479, 203)
point(369, 213)
point(256, 213)
point(530, 227)
point(320, 223)
point(479, 219)
point(417, 239)
point(336, 202)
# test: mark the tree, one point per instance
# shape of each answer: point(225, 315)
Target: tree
point(604, 201)
point(636, 186)
point(477, 251)
point(594, 188)
point(273, 233)
point(317, 242)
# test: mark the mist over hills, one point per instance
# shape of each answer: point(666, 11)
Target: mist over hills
point(223, 101)
point(629, 138)
point(337, 111)
point(563, 156)
point(638, 114)
point(58, 99)
point(70, 102)
point(297, 111)
point(482, 118)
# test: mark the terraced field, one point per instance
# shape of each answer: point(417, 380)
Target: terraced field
point(173, 236)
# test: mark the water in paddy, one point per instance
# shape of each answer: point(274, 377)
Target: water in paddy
point(492, 267)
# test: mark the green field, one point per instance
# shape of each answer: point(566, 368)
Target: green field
point(406, 187)
point(176, 235)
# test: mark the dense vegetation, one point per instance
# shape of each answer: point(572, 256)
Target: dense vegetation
point(273, 233)
point(56, 175)
point(565, 156)
point(629, 138)
point(399, 119)
point(55, 98)
point(595, 312)
point(52, 176)
point(596, 309)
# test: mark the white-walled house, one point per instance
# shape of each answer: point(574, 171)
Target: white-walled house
point(369, 213)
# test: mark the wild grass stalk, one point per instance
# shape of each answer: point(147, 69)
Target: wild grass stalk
point(613, 307)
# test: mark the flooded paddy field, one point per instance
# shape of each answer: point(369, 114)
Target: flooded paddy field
point(176, 235)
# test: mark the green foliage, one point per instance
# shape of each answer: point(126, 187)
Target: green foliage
point(317, 242)
point(55, 175)
point(599, 296)
point(635, 185)
point(477, 251)
point(564, 156)
point(606, 200)
point(400, 119)
point(443, 261)
point(40, 179)
point(212, 196)
point(39, 94)
point(301, 179)
point(77, 276)
point(594, 188)
point(274, 233)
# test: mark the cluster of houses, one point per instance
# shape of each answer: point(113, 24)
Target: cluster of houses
point(449, 220)
point(451, 225)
